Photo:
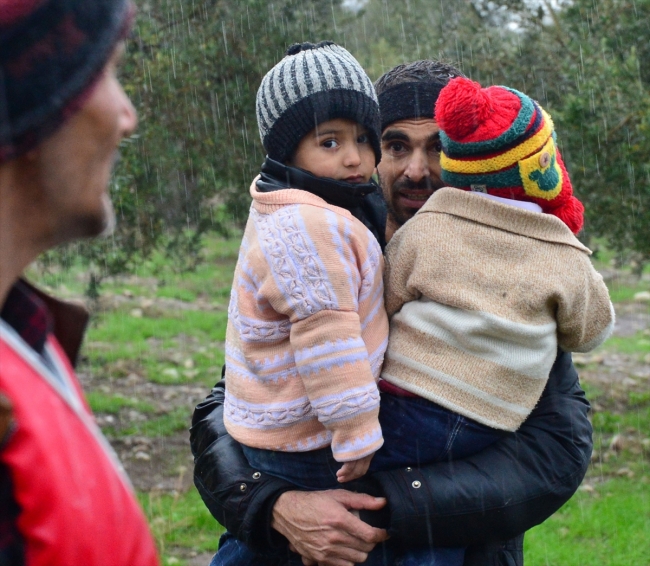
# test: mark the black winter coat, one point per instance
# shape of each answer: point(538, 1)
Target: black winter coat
point(478, 502)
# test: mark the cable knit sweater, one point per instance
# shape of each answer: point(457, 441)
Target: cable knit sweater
point(307, 329)
point(479, 296)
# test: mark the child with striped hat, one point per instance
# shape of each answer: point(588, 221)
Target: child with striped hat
point(307, 328)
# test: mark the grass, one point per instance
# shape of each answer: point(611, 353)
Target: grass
point(112, 404)
point(607, 523)
point(175, 421)
point(175, 347)
point(607, 527)
point(180, 521)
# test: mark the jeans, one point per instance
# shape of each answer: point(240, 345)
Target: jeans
point(234, 553)
point(417, 431)
point(311, 470)
point(444, 436)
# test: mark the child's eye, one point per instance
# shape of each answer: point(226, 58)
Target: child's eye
point(330, 144)
point(363, 138)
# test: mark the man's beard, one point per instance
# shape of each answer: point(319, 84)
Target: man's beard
point(89, 225)
point(404, 184)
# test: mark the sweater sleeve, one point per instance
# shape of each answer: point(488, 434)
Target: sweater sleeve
point(401, 258)
point(585, 314)
point(324, 281)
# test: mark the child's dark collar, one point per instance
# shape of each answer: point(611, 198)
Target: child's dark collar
point(275, 176)
point(364, 201)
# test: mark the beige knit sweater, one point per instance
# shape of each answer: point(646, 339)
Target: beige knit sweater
point(480, 295)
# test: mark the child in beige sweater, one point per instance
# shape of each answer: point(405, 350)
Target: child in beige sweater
point(485, 282)
point(483, 285)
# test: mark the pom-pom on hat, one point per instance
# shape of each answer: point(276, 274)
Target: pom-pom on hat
point(314, 83)
point(499, 141)
point(51, 54)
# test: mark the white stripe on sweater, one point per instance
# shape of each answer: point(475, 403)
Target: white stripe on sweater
point(524, 348)
point(458, 384)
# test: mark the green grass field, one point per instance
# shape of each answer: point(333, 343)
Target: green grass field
point(155, 347)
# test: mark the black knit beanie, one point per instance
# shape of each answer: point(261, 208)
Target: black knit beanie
point(51, 54)
point(314, 83)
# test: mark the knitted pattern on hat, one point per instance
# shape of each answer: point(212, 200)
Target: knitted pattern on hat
point(311, 85)
point(499, 141)
point(51, 53)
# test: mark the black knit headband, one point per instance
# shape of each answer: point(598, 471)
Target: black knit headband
point(408, 100)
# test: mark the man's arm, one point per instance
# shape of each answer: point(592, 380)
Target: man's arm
point(506, 489)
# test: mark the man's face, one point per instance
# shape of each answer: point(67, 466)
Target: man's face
point(73, 166)
point(409, 171)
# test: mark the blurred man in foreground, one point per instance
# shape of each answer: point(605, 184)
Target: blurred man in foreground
point(64, 498)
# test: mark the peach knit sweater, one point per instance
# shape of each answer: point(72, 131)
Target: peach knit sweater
point(480, 294)
point(307, 329)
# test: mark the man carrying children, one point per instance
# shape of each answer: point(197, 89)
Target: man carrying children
point(479, 502)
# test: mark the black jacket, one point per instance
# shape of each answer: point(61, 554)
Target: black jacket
point(478, 502)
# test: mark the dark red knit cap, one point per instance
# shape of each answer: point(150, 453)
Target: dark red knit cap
point(51, 54)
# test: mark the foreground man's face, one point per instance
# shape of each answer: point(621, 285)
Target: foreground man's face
point(74, 165)
point(409, 170)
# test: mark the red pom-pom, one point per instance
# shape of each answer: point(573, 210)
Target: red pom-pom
point(461, 108)
point(468, 113)
point(571, 213)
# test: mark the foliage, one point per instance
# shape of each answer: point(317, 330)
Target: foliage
point(193, 68)
point(587, 61)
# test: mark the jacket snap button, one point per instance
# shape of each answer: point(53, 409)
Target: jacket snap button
point(544, 159)
point(416, 484)
point(257, 476)
point(409, 469)
point(242, 487)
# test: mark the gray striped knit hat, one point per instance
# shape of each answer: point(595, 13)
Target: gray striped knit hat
point(311, 85)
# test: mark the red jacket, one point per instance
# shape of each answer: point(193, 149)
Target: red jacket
point(77, 507)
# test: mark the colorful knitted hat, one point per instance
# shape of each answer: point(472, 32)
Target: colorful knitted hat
point(51, 53)
point(499, 141)
point(311, 85)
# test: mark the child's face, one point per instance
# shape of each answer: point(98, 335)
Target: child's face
point(338, 149)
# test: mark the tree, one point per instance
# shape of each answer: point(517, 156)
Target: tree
point(192, 69)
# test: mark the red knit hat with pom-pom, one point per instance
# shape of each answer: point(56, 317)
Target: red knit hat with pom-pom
point(499, 141)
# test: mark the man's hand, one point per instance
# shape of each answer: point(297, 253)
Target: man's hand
point(321, 528)
point(352, 470)
point(5, 417)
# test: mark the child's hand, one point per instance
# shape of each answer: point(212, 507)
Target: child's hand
point(353, 470)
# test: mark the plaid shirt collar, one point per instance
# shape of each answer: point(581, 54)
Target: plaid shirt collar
point(28, 316)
